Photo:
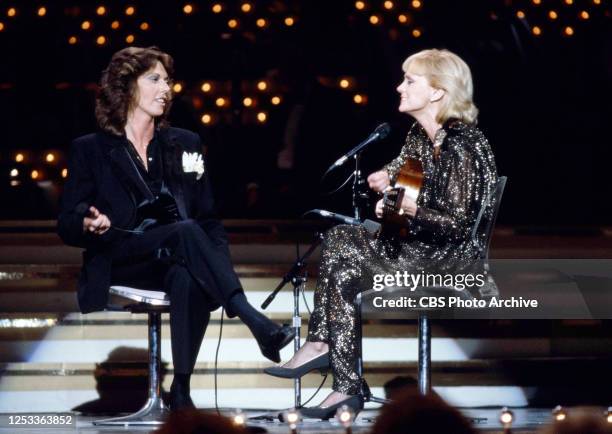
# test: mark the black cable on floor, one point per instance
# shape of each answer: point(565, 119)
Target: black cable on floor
point(217, 360)
point(316, 391)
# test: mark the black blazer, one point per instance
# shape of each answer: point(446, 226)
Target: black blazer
point(101, 173)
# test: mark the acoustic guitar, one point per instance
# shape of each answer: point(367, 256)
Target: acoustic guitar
point(408, 183)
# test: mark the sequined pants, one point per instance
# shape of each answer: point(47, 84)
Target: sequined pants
point(343, 272)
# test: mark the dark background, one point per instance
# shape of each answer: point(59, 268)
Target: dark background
point(544, 100)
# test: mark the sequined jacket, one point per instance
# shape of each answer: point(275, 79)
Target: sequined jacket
point(455, 186)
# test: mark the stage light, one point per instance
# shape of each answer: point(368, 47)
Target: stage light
point(536, 2)
point(584, 15)
point(276, 100)
point(177, 87)
point(262, 85)
point(72, 40)
point(232, 24)
point(220, 102)
point(506, 417)
point(144, 26)
point(11, 12)
point(35, 174)
point(344, 83)
point(130, 10)
point(416, 4)
point(262, 117)
point(50, 157)
point(416, 33)
point(217, 8)
point(289, 21)
point(19, 157)
point(248, 102)
point(568, 31)
point(536, 31)
point(64, 173)
point(238, 418)
point(86, 25)
point(206, 118)
point(261, 22)
point(1, 26)
point(388, 4)
point(246, 7)
point(520, 14)
point(359, 5)
point(129, 39)
point(559, 414)
point(374, 20)
point(569, 2)
point(292, 418)
point(402, 18)
point(345, 416)
point(42, 11)
point(553, 15)
point(358, 99)
point(101, 10)
point(101, 40)
point(608, 415)
point(14, 173)
point(206, 87)
point(115, 25)
point(596, 2)
point(187, 9)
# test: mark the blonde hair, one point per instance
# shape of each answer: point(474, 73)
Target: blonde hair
point(447, 71)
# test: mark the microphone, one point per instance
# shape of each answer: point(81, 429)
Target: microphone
point(381, 132)
point(370, 225)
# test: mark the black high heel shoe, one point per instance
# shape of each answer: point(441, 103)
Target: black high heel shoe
point(277, 341)
point(321, 363)
point(324, 413)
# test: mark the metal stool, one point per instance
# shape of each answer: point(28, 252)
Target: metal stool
point(153, 303)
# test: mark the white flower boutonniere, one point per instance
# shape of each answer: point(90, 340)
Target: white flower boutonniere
point(193, 162)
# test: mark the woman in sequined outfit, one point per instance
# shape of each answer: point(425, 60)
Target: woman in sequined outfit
point(459, 173)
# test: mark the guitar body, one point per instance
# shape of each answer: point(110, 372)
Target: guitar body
point(408, 183)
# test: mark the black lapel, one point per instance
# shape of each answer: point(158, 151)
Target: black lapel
point(171, 152)
point(126, 167)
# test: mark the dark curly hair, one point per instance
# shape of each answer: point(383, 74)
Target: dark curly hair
point(118, 89)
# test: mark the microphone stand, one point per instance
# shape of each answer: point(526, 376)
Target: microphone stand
point(360, 189)
point(297, 276)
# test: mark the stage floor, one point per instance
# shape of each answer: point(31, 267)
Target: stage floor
point(528, 420)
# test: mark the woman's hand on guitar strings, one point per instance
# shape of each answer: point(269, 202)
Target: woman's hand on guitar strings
point(409, 206)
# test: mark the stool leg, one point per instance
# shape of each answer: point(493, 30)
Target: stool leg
point(154, 411)
point(424, 364)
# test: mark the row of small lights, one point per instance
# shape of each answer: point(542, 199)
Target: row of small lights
point(252, 101)
point(36, 174)
point(345, 416)
point(87, 24)
point(388, 5)
point(188, 9)
point(101, 10)
point(234, 23)
point(553, 15)
point(559, 414)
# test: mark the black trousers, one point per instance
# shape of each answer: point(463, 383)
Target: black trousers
point(194, 286)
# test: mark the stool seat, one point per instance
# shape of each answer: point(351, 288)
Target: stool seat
point(146, 296)
point(153, 303)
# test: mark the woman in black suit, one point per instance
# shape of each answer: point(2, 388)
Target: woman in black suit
point(138, 199)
